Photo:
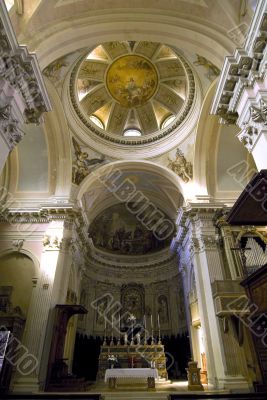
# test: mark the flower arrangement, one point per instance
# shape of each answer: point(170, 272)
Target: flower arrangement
point(131, 318)
point(112, 358)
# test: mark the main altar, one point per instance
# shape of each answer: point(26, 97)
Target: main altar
point(133, 356)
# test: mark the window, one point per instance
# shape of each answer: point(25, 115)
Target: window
point(167, 121)
point(97, 121)
point(132, 132)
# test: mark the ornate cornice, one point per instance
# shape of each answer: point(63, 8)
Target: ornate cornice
point(146, 273)
point(122, 265)
point(20, 68)
point(23, 96)
point(43, 215)
point(243, 74)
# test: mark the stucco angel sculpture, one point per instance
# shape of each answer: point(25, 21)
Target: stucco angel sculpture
point(181, 167)
point(82, 164)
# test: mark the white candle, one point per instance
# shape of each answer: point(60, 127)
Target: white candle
point(151, 321)
point(119, 322)
point(158, 321)
point(112, 321)
point(105, 323)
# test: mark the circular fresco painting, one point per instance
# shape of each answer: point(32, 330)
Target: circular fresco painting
point(132, 80)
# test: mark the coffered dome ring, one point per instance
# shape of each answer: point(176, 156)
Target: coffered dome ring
point(151, 142)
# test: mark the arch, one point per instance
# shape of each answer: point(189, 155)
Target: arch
point(27, 253)
point(211, 167)
point(124, 165)
point(58, 143)
point(59, 139)
point(157, 26)
point(18, 274)
point(166, 195)
point(207, 126)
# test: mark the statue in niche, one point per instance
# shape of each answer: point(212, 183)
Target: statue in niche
point(163, 309)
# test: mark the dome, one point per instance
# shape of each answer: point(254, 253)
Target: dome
point(132, 92)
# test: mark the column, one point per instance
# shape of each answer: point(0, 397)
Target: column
point(224, 363)
point(38, 328)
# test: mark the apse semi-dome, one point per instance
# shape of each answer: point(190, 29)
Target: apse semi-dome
point(120, 88)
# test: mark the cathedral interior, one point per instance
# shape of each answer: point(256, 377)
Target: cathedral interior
point(133, 198)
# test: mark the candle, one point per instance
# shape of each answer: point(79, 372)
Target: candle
point(105, 323)
point(151, 321)
point(119, 322)
point(112, 321)
point(158, 321)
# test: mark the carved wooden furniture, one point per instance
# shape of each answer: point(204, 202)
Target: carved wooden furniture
point(57, 372)
point(256, 287)
point(250, 211)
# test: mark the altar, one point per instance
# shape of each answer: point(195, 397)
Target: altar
point(133, 357)
point(131, 374)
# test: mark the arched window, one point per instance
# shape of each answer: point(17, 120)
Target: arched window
point(132, 132)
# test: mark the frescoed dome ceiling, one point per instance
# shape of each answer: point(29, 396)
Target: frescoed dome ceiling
point(132, 92)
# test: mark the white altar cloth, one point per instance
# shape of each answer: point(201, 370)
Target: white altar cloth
point(131, 373)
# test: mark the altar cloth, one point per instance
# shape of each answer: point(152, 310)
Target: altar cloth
point(131, 373)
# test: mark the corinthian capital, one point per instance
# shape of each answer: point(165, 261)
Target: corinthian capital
point(209, 242)
point(9, 127)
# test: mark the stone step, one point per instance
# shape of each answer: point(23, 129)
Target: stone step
point(135, 396)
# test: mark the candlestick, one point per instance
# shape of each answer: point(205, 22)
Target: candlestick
point(112, 342)
point(159, 342)
point(105, 333)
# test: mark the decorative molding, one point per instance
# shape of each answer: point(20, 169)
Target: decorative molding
point(51, 242)
point(9, 127)
point(194, 246)
point(22, 79)
point(18, 244)
point(239, 96)
point(209, 242)
point(248, 136)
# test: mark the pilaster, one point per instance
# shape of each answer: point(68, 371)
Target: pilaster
point(203, 242)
